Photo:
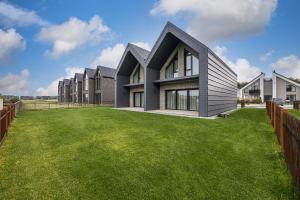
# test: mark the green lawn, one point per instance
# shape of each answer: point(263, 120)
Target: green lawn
point(296, 113)
point(101, 153)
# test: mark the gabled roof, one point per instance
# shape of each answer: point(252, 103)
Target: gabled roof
point(131, 56)
point(60, 83)
point(90, 72)
point(286, 79)
point(254, 80)
point(66, 81)
point(106, 71)
point(78, 76)
point(168, 40)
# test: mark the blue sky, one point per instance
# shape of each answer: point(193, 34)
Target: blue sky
point(47, 40)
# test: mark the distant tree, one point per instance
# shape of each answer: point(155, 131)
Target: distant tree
point(241, 84)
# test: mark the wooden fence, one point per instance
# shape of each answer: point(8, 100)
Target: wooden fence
point(6, 117)
point(287, 129)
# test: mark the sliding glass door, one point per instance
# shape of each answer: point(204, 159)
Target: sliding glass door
point(182, 99)
point(138, 99)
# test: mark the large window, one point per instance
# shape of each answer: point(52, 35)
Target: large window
point(182, 99)
point(136, 76)
point(290, 88)
point(98, 81)
point(138, 99)
point(172, 69)
point(86, 82)
point(191, 64)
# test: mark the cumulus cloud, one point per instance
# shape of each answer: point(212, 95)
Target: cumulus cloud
point(289, 66)
point(11, 15)
point(111, 56)
point(73, 34)
point(51, 89)
point(266, 56)
point(15, 84)
point(10, 41)
point(214, 20)
point(243, 68)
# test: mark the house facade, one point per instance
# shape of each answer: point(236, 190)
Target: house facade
point(266, 89)
point(104, 85)
point(72, 90)
point(78, 88)
point(66, 90)
point(60, 92)
point(88, 86)
point(180, 73)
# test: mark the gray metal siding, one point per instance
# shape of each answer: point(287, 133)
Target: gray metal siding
point(222, 87)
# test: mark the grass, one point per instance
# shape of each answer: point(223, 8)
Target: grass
point(102, 153)
point(295, 113)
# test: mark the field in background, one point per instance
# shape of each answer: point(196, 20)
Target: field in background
point(103, 153)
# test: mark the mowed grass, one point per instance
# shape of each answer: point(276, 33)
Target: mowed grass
point(295, 113)
point(102, 153)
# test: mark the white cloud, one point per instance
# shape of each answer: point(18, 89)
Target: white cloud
point(10, 41)
point(213, 20)
point(242, 67)
point(51, 89)
point(111, 56)
point(289, 66)
point(11, 15)
point(73, 34)
point(266, 56)
point(15, 84)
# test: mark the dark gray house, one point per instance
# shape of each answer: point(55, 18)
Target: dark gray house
point(78, 88)
point(130, 77)
point(66, 90)
point(72, 90)
point(60, 92)
point(88, 86)
point(104, 85)
point(180, 73)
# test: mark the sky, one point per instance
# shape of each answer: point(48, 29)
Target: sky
point(42, 42)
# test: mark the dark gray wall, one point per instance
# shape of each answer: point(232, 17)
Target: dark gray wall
point(151, 89)
point(122, 93)
point(222, 86)
point(203, 112)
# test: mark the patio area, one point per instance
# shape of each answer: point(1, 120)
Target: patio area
point(182, 113)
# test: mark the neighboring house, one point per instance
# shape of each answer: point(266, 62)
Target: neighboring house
point(78, 88)
point(72, 90)
point(130, 77)
point(66, 90)
point(26, 97)
point(180, 73)
point(88, 86)
point(60, 92)
point(104, 85)
point(266, 89)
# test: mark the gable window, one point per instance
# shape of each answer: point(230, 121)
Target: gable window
point(191, 64)
point(86, 82)
point(136, 76)
point(172, 69)
point(290, 88)
point(98, 81)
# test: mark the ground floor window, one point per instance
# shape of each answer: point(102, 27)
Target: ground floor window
point(138, 99)
point(291, 97)
point(182, 99)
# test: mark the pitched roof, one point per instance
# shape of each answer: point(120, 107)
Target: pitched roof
point(78, 76)
point(106, 71)
point(90, 72)
point(253, 80)
point(286, 79)
point(144, 53)
point(66, 81)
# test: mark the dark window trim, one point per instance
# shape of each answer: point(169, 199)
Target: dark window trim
point(291, 87)
point(188, 97)
point(141, 96)
point(137, 71)
point(175, 57)
point(185, 67)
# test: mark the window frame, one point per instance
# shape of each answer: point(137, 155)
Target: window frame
point(141, 100)
point(171, 64)
point(138, 73)
point(292, 87)
point(191, 69)
point(176, 97)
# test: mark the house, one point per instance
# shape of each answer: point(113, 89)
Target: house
point(130, 77)
point(180, 73)
point(104, 85)
point(60, 92)
point(72, 90)
point(66, 90)
point(78, 88)
point(88, 86)
point(266, 89)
